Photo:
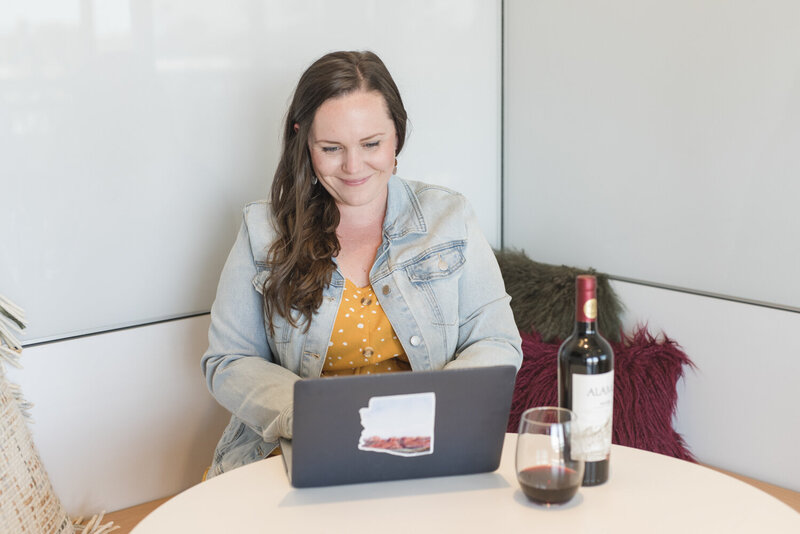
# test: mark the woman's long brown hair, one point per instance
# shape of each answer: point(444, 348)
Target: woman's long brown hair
point(301, 257)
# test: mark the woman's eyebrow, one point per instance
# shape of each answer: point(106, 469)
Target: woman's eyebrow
point(371, 136)
point(360, 140)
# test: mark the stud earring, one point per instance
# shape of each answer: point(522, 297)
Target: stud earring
point(314, 179)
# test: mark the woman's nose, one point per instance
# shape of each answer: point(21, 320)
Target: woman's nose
point(352, 162)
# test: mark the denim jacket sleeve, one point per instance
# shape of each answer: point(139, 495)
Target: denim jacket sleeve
point(487, 333)
point(239, 366)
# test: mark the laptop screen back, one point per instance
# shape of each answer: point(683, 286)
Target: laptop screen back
point(399, 425)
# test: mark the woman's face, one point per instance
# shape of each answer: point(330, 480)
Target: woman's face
point(353, 143)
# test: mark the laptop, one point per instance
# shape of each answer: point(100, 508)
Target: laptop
point(393, 426)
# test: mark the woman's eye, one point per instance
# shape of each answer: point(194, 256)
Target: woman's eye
point(330, 149)
point(372, 144)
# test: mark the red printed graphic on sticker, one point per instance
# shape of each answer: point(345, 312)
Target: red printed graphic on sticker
point(401, 425)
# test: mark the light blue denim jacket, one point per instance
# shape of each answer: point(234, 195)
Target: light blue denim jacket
point(435, 277)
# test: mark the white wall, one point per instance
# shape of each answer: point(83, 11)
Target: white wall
point(133, 132)
point(123, 417)
point(738, 409)
point(658, 140)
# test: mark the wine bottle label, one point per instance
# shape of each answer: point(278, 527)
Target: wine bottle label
point(593, 402)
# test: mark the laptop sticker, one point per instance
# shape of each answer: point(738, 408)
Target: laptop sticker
point(401, 425)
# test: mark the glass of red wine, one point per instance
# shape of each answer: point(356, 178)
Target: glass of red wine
point(546, 469)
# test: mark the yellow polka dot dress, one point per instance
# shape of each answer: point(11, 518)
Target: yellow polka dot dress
point(363, 341)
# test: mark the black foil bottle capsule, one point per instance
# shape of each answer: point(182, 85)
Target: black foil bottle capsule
point(586, 383)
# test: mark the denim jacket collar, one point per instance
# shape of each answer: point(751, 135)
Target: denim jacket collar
point(403, 211)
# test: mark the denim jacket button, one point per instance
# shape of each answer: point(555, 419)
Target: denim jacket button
point(415, 341)
point(386, 290)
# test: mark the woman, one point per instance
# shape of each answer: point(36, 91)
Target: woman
point(348, 269)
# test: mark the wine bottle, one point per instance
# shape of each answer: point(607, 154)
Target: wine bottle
point(586, 384)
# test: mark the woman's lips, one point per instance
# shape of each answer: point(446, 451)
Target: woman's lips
point(356, 182)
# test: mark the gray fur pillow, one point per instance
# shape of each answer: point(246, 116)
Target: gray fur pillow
point(543, 297)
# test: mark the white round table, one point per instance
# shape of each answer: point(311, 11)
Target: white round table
point(646, 492)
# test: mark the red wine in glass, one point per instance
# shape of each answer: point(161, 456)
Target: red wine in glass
point(549, 484)
point(547, 471)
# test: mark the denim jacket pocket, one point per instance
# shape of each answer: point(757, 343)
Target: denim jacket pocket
point(437, 263)
point(436, 276)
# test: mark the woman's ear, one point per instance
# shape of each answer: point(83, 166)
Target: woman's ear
point(296, 127)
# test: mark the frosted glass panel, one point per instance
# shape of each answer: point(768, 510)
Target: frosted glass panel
point(132, 133)
point(657, 141)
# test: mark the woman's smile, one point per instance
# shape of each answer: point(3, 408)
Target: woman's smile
point(353, 183)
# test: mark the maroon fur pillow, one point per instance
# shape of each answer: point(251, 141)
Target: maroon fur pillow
point(646, 372)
